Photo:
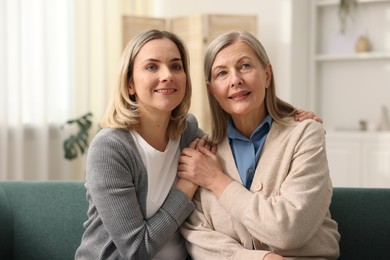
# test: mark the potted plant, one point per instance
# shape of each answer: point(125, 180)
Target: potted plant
point(346, 8)
point(78, 142)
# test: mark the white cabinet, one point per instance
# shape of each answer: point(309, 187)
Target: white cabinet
point(359, 159)
point(376, 162)
point(343, 159)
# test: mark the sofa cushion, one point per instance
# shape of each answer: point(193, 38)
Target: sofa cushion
point(46, 219)
point(363, 216)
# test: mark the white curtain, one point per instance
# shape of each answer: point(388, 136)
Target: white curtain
point(58, 61)
point(37, 83)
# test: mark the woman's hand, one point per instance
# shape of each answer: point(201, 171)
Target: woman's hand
point(273, 256)
point(186, 186)
point(303, 115)
point(201, 165)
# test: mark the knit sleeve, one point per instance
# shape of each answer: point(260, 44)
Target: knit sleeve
point(117, 183)
point(191, 132)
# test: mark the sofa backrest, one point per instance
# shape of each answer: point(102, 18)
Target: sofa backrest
point(41, 220)
point(44, 220)
point(363, 216)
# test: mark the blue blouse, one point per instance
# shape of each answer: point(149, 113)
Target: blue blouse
point(246, 151)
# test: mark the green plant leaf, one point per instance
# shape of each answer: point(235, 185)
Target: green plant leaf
point(346, 8)
point(79, 141)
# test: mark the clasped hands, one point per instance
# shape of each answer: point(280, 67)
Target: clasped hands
point(199, 164)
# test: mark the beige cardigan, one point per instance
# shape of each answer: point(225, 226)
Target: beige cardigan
point(286, 210)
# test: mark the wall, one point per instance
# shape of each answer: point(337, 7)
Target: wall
point(276, 21)
point(98, 29)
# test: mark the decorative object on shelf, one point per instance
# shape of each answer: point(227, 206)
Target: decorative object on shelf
point(80, 139)
point(346, 8)
point(362, 44)
point(384, 122)
point(363, 125)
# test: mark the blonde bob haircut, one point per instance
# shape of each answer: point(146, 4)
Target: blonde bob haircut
point(277, 108)
point(122, 110)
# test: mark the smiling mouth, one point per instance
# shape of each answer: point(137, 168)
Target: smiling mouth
point(239, 95)
point(165, 90)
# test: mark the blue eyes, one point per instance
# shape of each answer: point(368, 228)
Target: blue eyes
point(151, 67)
point(221, 73)
point(224, 72)
point(174, 67)
point(177, 66)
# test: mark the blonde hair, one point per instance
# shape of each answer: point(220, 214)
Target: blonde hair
point(122, 110)
point(277, 108)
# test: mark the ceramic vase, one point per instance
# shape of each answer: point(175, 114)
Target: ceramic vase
point(362, 44)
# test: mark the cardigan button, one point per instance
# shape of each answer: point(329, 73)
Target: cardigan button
point(258, 186)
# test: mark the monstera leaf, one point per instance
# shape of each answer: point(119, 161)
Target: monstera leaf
point(78, 142)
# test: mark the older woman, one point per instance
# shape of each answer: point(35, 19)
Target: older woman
point(267, 191)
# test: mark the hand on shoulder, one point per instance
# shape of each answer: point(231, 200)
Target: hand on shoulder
point(303, 115)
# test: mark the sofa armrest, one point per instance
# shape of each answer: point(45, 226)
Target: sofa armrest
point(6, 226)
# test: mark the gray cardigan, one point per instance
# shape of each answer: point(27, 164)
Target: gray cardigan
point(117, 184)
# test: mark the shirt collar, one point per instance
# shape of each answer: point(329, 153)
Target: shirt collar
point(233, 133)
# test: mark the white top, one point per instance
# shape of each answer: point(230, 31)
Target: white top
point(161, 168)
point(162, 171)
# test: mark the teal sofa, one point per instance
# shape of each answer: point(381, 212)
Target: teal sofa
point(41, 220)
point(44, 220)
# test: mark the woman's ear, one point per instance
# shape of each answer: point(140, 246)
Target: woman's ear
point(210, 89)
point(268, 73)
point(131, 90)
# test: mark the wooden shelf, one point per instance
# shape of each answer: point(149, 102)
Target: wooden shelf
point(338, 73)
point(347, 87)
point(353, 56)
point(336, 2)
point(358, 134)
